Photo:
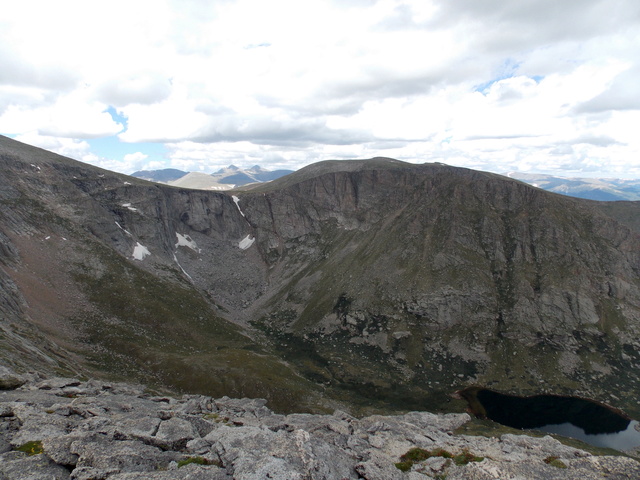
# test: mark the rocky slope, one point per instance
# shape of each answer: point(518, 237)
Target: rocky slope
point(62, 429)
point(368, 284)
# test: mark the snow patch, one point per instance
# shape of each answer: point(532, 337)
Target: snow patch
point(127, 183)
point(47, 237)
point(187, 241)
point(128, 205)
point(125, 231)
point(246, 242)
point(140, 251)
point(237, 202)
point(183, 270)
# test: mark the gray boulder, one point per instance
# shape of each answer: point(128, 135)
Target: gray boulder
point(19, 466)
point(174, 434)
point(10, 380)
point(115, 456)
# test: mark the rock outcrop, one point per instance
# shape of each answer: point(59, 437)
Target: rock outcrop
point(63, 429)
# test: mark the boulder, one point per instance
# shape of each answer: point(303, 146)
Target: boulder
point(19, 466)
point(174, 434)
point(10, 380)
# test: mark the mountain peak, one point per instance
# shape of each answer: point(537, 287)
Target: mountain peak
point(223, 179)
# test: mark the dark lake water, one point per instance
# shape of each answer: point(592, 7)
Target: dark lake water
point(574, 417)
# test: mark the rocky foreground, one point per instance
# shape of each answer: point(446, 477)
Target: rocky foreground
point(68, 429)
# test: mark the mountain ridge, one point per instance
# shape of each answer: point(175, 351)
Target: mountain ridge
point(373, 284)
point(601, 189)
point(223, 179)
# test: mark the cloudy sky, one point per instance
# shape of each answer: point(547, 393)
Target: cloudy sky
point(548, 86)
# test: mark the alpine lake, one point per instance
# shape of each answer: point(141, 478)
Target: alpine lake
point(585, 420)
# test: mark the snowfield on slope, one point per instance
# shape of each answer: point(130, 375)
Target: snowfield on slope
point(246, 242)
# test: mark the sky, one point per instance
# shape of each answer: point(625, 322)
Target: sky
point(545, 86)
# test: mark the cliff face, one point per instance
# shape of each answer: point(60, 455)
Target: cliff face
point(371, 279)
point(419, 278)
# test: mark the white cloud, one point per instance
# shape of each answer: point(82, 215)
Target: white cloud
point(136, 159)
point(239, 81)
point(622, 93)
point(72, 115)
point(76, 149)
point(137, 87)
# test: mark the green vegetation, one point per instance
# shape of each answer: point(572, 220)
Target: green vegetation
point(197, 461)
point(31, 448)
point(218, 419)
point(420, 454)
point(466, 457)
point(404, 466)
point(555, 462)
point(416, 455)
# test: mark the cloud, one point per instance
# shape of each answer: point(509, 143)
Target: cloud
point(596, 140)
point(71, 116)
point(283, 131)
point(277, 129)
point(76, 149)
point(481, 84)
point(18, 71)
point(623, 93)
point(136, 157)
point(537, 22)
point(142, 88)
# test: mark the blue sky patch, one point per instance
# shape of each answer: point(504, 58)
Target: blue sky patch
point(113, 148)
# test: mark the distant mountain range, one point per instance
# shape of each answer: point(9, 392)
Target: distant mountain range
point(603, 189)
point(224, 179)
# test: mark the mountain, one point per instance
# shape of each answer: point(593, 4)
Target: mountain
point(223, 179)
point(264, 175)
point(165, 175)
point(374, 285)
point(200, 181)
point(602, 189)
